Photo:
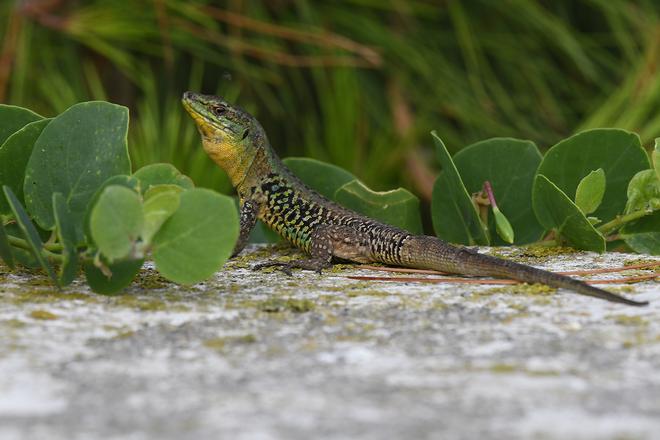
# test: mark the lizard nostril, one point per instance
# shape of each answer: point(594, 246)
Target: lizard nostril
point(245, 133)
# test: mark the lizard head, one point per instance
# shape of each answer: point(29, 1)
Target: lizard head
point(230, 135)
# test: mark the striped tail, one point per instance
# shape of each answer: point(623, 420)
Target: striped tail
point(432, 253)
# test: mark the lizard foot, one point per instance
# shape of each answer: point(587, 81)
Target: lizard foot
point(309, 264)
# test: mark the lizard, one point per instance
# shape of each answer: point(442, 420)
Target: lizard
point(326, 231)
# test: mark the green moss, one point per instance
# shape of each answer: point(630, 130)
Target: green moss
point(636, 261)
point(215, 343)
point(536, 289)
point(147, 305)
point(151, 279)
point(43, 315)
point(125, 334)
point(221, 342)
point(46, 296)
point(294, 305)
point(533, 254)
point(503, 368)
point(13, 323)
point(634, 321)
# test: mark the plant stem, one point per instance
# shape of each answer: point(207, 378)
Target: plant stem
point(20, 243)
point(621, 220)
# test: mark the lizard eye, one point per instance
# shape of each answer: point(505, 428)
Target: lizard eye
point(219, 110)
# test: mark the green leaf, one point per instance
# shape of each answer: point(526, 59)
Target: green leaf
point(13, 118)
point(644, 243)
point(454, 216)
point(29, 232)
point(161, 174)
point(76, 152)
point(322, 177)
point(643, 195)
point(555, 210)
point(158, 206)
point(116, 222)
point(198, 238)
point(509, 165)
point(398, 207)
point(121, 180)
point(656, 157)
point(504, 229)
point(14, 156)
point(122, 273)
point(590, 191)
point(618, 152)
point(66, 235)
point(5, 249)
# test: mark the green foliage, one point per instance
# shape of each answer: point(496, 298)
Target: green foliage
point(618, 152)
point(398, 207)
point(116, 222)
point(556, 211)
point(590, 191)
point(160, 202)
point(107, 278)
point(501, 164)
point(79, 162)
point(322, 177)
point(66, 235)
point(161, 174)
point(198, 238)
point(503, 226)
point(5, 248)
point(509, 165)
point(14, 155)
point(455, 217)
point(35, 246)
point(75, 153)
point(13, 118)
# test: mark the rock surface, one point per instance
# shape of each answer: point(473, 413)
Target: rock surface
point(262, 355)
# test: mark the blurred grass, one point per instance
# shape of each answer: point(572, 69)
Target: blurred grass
point(359, 83)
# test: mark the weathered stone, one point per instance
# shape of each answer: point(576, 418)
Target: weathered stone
point(263, 355)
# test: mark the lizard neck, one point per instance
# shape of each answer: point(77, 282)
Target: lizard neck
point(264, 164)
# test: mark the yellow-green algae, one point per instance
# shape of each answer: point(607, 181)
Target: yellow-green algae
point(533, 254)
point(628, 320)
point(43, 315)
point(220, 343)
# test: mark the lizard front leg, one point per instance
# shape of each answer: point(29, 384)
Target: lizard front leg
point(327, 241)
point(248, 219)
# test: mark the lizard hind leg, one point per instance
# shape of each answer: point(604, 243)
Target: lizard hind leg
point(327, 241)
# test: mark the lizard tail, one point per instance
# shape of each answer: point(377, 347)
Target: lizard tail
point(433, 253)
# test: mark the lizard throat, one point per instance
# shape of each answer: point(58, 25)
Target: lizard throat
point(232, 158)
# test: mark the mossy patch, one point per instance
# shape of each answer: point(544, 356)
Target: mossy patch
point(47, 296)
point(43, 315)
point(151, 279)
point(13, 323)
point(533, 254)
point(536, 289)
point(627, 320)
point(220, 343)
point(275, 305)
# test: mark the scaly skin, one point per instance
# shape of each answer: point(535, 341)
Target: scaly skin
point(268, 191)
